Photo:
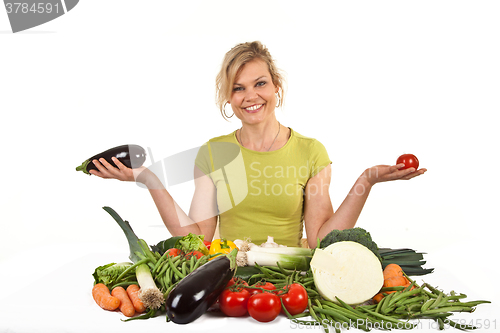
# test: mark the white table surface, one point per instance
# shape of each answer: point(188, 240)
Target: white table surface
point(58, 299)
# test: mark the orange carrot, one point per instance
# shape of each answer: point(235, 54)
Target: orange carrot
point(393, 277)
point(395, 281)
point(133, 294)
point(126, 306)
point(377, 298)
point(392, 270)
point(103, 298)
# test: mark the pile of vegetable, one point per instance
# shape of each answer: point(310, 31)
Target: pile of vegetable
point(346, 281)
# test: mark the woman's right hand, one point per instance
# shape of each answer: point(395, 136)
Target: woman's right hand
point(122, 172)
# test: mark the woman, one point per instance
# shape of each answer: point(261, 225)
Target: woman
point(279, 180)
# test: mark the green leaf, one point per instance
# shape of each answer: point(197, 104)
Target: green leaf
point(133, 240)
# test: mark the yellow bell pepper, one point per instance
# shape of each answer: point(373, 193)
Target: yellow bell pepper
point(221, 246)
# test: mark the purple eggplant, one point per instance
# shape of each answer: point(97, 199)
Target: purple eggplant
point(195, 293)
point(132, 156)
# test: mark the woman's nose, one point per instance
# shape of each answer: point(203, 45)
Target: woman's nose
point(251, 94)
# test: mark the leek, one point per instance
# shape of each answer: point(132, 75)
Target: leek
point(270, 258)
point(290, 250)
point(149, 293)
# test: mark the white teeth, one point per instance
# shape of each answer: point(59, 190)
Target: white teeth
point(252, 108)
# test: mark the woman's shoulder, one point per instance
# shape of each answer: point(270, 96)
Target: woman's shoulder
point(304, 140)
point(223, 138)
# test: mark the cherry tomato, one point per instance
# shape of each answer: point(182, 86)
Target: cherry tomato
point(207, 244)
point(409, 160)
point(263, 285)
point(173, 252)
point(233, 302)
point(197, 254)
point(236, 280)
point(295, 300)
point(264, 307)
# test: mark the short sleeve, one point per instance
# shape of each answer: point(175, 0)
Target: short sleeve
point(203, 160)
point(319, 158)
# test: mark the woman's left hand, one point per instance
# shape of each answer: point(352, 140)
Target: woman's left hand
point(383, 173)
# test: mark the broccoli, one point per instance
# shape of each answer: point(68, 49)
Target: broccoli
point(357, 234)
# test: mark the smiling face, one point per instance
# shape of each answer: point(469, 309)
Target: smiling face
point(253, 98)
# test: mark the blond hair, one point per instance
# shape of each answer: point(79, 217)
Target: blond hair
point(232, 64)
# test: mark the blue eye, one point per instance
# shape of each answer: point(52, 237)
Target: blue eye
point(237, 89)
point(261, 83)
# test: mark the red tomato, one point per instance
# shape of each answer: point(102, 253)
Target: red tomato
point(264, 307)
point(197, 254)
point(263, 285)
point(173, 252)
point(236, 280)
point(233, 303)
point(409, 160)
point(295, 300)
point(207, 244)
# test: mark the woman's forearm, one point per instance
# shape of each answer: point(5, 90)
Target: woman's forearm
point(348, 212)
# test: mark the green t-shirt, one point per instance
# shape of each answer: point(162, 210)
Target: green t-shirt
point(261, 194)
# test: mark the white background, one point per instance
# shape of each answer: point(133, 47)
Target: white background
point(370, 79)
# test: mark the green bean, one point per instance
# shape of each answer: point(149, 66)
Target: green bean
point(456, 297)
point(459, 326)
point(395, 288)
point(257, 276)
point(405, 294)
point(128, 269)
point(274, 268)
point(191, 263)
point(308, 283)
point(175, 270)
point(312, 292)
point(307, 279)
point(322, 315)
point(379, 304)
point(147, 251)
point(142, 256)
point(171, 274)
point(387, 299)
point(202, 261)
point(383, 317)
point(166, 282)
point(427, 304)
point(441, 323)
point(159, 262)
point(448, 309)
point(437, 301)
point(184, 268)
point(269, 273)
point(336, 313)
point(412, 300)
point(169, 290)
point(471, 303)
point(313, 314)
point(431, 288)
point(168, 276)
point(351, 309)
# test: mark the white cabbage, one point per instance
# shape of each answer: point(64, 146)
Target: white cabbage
point(347, 270)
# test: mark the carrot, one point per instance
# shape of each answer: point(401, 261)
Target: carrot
point(126, 306)
point(133, 294)
point(393, 277)
point(392, 270)
point(103, 298)
point(395, 281)
point(377, 298)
